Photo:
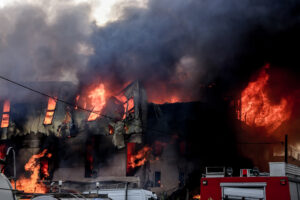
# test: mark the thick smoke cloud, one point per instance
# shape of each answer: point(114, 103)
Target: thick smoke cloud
point(36, 45)
point(177, 46)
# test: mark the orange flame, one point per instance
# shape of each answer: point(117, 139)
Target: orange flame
point(50, 111)
point(51, 104)
point(6, 106)
point(256, 108)
point(198, 196)
point(169, 99)
point(5, 115)
point(76, 102)
point(140, 158)
point(130, 104)
point(5, 121)
point(97, 99)
point(111, 130)
point(45, 166)
point(173, 99)
point(31, 184)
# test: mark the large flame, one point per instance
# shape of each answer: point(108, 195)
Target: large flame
point(97, 101)
point(31, 184)
point(256, 107)
point(5, 115)
point(146, 154)
point(140, 158)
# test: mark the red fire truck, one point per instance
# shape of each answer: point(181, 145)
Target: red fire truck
point(282, 183)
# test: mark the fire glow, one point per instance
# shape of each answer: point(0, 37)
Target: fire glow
point(127, 103)
point(139, 158)
point(33, 166)
point(256, 107)
point(166, 99)
point(97, 101)
point(5, 115)
point(50, 111)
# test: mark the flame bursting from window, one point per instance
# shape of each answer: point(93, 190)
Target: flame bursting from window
point(256, 107)
point(5, 114)
point(139, 158)
point(50, 111)
point(33, 166)
point(45, 166)
point(97, 100)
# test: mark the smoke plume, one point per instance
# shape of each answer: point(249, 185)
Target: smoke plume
point(39, 45)
point(177, 48)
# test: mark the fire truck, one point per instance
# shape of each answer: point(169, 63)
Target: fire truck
point(282, 183)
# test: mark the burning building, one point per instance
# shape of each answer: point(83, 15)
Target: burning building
point(122, 140)
point(150, 97)
point(100, 126)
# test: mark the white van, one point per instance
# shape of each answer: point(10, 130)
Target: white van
point(6, 190)
point(132, 194)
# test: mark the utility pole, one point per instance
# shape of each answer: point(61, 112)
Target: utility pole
point(126, 191)
point(286, 149)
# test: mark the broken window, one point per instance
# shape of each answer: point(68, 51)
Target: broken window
point(50, 111)
point(128, 105)
point(157, 177)
point(5, 114)
point(130, 153)
point(90, 158)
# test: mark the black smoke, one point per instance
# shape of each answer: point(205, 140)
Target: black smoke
point(40, 45)
point(173, 46)
point(179, 46)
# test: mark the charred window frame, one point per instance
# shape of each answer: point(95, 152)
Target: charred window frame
point(91, 158)
point(129, 108)
point(157, 179)
point(5, 114)
point(130, 105)
point(130, 152)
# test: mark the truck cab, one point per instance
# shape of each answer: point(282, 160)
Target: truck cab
point(282, 183)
